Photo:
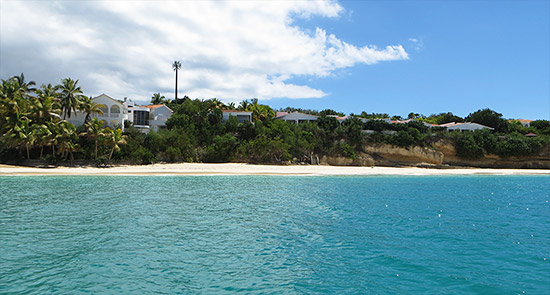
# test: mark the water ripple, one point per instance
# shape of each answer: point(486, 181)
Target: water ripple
point(274, 235)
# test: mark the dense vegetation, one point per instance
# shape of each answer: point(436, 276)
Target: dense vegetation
point(34, 126)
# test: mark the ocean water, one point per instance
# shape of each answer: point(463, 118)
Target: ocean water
point(275, 235)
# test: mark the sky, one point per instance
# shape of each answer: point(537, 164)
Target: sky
point(392, 57)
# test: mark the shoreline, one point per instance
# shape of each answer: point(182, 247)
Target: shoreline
point(250, 169)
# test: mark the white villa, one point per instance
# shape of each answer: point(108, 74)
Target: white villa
point(467, 126)
point(242, 116)
point(149, 117)
point(295, 117)
point(114, 112)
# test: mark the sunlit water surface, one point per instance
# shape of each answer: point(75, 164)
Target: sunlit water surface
point(275, 235)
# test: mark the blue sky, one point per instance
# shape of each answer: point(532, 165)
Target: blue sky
point(390, 57)
point(472, 55)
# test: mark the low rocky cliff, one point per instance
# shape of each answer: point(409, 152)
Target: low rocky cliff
point(541, 160)
point(389, 155)
point(362, 159)
point(441, 154)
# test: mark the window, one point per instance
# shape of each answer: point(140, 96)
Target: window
point(115, 111)
point(141, 118)
point(104, 109)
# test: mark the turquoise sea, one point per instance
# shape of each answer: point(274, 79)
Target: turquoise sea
point(275, 235)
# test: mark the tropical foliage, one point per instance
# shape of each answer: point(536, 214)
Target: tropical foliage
point(34, 119)
point(34, 126)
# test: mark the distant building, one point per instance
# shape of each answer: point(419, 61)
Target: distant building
point(295, 117)
point(114, 112)
point(409, 120)
point(525, 122)
point(149, 117)
point(467, 126)
point(242, 116)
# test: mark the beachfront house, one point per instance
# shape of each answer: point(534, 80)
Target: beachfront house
point(158, 115)
point(467, 126)
point(114, 112)
point(242, 116)
point(295, 117)
point(149, 117)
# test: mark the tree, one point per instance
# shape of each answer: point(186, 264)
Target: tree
point(328, 124)
point(413, 115)
point(88, 106)
point(157, 98)
point(176, 66)
point(46, 105)
point(217, 104)
point(244, 105)
point(23, 135)
point(114, 139)
point(489, 118)
point(95, 131)
point(66, 139)
point(24, 89)
point(71, 95)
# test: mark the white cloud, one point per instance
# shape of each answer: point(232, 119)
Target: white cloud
point(415, 43)
point(229, 50)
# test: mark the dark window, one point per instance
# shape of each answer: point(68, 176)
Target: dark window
point(141, 118)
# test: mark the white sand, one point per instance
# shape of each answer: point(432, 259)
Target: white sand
point(247, 169)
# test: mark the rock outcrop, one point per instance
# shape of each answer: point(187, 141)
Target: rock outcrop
point(362, 159)
point(389, 155)
point(541, 160)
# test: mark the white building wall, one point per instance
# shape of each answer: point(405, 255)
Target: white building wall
point(114, 115)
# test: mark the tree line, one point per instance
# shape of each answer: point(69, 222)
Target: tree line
point(35, 126)
point(34, 122)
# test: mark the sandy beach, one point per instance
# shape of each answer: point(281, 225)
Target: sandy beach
point(248, 169)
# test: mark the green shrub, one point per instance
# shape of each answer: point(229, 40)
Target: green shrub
point(347, 151)
point(467, 147)
point(172, 154)
point(143, 156)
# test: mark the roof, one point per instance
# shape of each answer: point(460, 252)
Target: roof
point(530, 134)
point(107, 96)
point(459, 125)
point(297, 116)
point(524, 120)
point(235, 111)
point(154, 106)
point(280, 114)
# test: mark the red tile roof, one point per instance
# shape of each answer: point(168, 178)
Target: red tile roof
point(154, 106)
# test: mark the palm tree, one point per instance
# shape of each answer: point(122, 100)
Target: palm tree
point(216, 104)
point(157, 98)
point(47, 104)
point(176, 66)
point(43, 137)
point(244, 105)
point(70, 96)
point(95, 130)
point(88, 106)
point(114, 139)
point(24, 88)
point(66, 139)
point(23, 134)
point(15, 96)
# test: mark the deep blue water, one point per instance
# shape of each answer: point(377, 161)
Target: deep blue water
point(275, 235)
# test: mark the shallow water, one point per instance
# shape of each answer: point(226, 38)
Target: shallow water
point(275, 235)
